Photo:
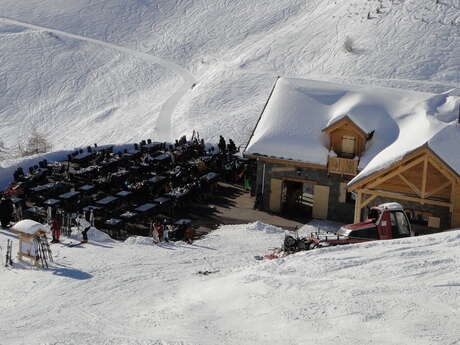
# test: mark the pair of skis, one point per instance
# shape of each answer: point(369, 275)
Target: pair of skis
point(44, 251)
point(9, 251)
point(71, 245)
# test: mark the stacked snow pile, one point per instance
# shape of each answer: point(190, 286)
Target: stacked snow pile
point(259, 226)
point(94, 235)
point(139, 240)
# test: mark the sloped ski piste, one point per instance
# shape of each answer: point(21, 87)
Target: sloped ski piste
point(134, 292)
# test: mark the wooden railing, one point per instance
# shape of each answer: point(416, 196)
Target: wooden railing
point(345, 166)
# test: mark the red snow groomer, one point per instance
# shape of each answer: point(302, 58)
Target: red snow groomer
point(385, 222)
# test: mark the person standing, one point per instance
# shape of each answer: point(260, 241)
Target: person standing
point(56, 230)
point(6, 212)
point(85, 225)
point(155, 234)
point(189, 234)
point(166, 231)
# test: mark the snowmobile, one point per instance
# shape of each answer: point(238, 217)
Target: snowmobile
point(385, 222)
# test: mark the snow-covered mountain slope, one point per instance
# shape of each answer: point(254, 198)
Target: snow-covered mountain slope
point(387, 292)
point(79, 92)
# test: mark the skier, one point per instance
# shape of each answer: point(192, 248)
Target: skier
point(56, 230)
point(83, 223)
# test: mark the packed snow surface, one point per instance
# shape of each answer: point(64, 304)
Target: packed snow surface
point(115, 71)
point(402, 291)
point(401, 121)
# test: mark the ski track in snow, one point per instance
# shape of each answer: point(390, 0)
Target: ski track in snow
point(164, 120)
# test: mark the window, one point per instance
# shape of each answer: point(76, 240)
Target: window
point(365, 233)
point(434, 222)
point(403, 225)
point(348, 145)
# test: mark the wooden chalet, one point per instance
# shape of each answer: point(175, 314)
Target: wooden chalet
point(422, 182)
point(330, 151)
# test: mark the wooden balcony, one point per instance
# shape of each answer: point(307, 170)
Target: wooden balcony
point(343, 166)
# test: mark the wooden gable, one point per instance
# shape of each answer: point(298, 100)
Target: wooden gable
point(345, 127)
point(420, 177)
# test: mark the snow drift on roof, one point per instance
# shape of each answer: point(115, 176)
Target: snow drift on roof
point(290, 127)
point(28, 226)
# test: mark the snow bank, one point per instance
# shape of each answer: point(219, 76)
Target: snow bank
point(94, 235)
point(139, 240)
point(259, 226)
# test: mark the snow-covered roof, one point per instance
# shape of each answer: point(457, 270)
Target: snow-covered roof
point(28, 226)
point(352, 118)
point(291, 125)
point(392, 206)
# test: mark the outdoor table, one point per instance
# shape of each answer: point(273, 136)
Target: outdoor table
point(113, 222)
point(146, 208)
point(162, 200)
point(123, 193)
point(68, 195)
point(86, 188)
point(51, 202)
point(90, 208)
point(107, 200)
point(156, 179)
point(128, 215)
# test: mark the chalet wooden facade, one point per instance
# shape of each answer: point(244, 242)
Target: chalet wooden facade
point(422, 182)
point(328, 165)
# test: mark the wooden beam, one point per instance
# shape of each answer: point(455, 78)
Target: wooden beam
point(405, 197)
point(296, 179)
point(442, 169)
point(396, 172)
point(411, 185)
point(368, 200)
point(372, 177)
point(289, 162)
point(440, 188)
point(358, 200)
point(424, 176)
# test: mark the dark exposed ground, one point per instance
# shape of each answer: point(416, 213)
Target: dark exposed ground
point(231, 204)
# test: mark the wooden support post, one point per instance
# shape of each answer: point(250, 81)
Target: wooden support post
point(358, 201)
point(424, 177)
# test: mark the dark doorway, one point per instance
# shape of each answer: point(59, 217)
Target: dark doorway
point(297, 200)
